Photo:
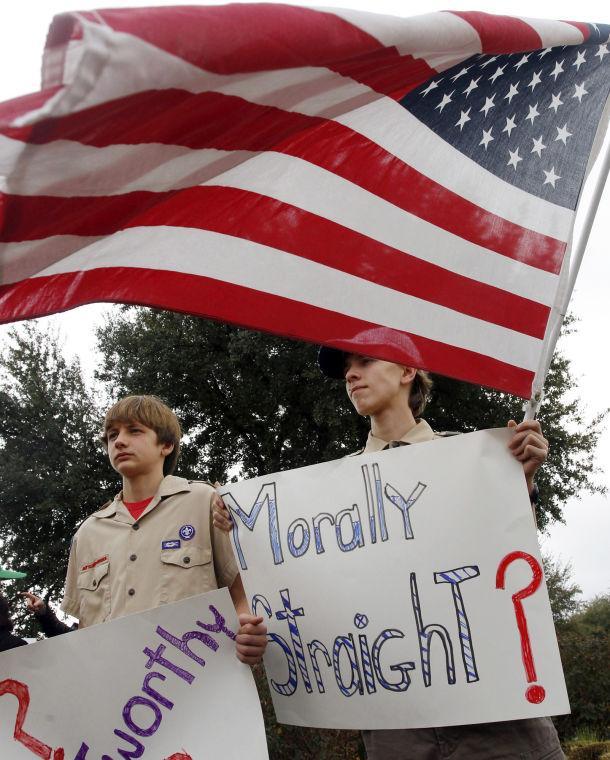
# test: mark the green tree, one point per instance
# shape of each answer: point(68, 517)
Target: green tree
point(51, 468)
point(259, 404)
point(595, 615)
point(563, 592)
point(584, 642)
point(244, 399)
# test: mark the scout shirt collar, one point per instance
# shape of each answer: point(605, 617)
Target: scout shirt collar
point(419, 433)
point(169, 486)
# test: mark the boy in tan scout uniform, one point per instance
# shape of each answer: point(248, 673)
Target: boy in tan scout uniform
point(154, 543)
point(393, 397)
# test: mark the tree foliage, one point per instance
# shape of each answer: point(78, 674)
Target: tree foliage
point(584, 642)
point(583, 634)
point(563, 592)
point(51, 471)
point(258, 403)
point(245, 399)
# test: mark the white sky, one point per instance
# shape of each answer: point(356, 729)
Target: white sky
point(583, 540)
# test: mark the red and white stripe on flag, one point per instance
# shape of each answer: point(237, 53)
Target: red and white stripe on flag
point(253, 164)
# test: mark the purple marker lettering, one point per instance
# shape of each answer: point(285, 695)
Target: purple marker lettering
point(132, 725)
point(155, 694)
point(156, 657)
point(219, 626)
point(182, 644)
point(138, 747)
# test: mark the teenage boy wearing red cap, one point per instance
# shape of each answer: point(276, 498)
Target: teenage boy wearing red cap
point(394, 397)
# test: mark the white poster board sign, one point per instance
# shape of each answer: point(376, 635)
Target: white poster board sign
point(401, 589)
point(163, 684)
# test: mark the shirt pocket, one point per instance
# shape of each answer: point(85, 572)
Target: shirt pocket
point(185, 572)
point(94, 594)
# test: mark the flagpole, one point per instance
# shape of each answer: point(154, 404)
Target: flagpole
point(532, 406)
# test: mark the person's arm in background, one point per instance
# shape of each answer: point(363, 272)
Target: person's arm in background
point(48, 621)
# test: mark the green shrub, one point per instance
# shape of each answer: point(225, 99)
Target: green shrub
point(298, 743)
point(579, 750)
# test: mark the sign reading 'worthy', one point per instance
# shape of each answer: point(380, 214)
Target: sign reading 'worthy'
point(402, 588)
point(163, 684)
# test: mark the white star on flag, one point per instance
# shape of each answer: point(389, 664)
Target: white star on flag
point(556, 102)
point(579, 91)
point(460, 73)
point(445, 101)
point(563, 134)
point(489, 103)
point(514, 158)
point(472, 86)
point(580, 59)
point(510, 124)
point(488, 61)
point(551, 177)
point(539, 146)
point(557, 70)
point(522, 62)
point(533, 113)
point(602, 51)
point(535, 80)
point(464, 117)
point(432, 86)
point(487, 138)
point(497, 73)
point(512, 92)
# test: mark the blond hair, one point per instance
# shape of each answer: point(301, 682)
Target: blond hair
point(420, 392)
point(151, 412)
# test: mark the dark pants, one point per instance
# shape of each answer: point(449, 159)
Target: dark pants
point(531, 739)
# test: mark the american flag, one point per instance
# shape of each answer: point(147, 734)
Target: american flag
point(399, 187)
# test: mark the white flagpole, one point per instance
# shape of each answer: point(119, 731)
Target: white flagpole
point(532, 406)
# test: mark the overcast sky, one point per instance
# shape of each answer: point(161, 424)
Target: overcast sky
point(583, 540)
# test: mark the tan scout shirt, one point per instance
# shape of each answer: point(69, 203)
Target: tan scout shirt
point(420, 433)
point(119, 565)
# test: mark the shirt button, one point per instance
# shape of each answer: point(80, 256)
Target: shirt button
point(131, 591)
point(136, 526)
point(94, 584)
point(186, 560)
point(133, 557)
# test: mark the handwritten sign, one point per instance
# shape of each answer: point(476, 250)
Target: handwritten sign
point(401, 589)
point(163, 684)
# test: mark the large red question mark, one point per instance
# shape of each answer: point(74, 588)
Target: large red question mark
point(536, 693)
point(21, 691)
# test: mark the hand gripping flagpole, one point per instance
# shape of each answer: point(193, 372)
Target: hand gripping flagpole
point(568, 276)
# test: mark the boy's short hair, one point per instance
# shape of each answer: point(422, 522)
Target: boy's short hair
point(151, 412)
point(420, 392)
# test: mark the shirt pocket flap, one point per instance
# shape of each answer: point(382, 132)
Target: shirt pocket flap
point(187, 556)
point(90, 579)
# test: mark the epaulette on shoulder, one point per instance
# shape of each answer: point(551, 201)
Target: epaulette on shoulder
point(82, 522)
point(203, 482)
point(446, 433)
